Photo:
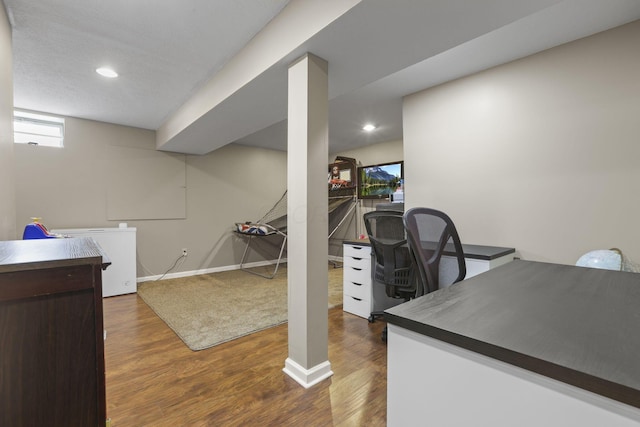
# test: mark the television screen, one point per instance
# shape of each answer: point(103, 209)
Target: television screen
point(379, 181)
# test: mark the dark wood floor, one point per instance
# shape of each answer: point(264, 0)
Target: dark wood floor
point(153, 379)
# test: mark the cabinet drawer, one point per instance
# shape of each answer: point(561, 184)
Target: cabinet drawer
point(361, 263)
point(356, 289)
point(356, 251)
point(357, 275)
point(357, 306)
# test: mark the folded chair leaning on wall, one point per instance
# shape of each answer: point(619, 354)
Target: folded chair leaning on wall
point(275, 222)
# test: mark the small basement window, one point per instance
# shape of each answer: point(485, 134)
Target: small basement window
point(37, 129)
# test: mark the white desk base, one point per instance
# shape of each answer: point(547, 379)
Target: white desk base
point(432, 383)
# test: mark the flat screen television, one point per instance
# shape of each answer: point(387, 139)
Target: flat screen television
point(380, 181)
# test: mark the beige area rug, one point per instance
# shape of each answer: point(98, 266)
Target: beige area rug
point(209, 309)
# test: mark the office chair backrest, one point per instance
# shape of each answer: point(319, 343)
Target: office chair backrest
point(393, 262)
point(432, 234)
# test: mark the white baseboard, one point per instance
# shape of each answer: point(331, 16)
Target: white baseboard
point(307, 377)
point(218, 269)
point(207, 270)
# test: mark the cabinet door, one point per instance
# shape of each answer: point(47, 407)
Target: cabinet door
point(49, 370)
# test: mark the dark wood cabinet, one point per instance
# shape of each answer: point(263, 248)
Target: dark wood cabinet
point(51, 333)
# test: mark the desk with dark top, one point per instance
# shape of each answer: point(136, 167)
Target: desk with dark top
point(51, 333)
point(361, 297)
point(527, 343)
point(478, 258)
point(479, 252)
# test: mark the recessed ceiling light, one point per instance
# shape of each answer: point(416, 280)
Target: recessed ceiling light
point(368, 127)
point(107, 72)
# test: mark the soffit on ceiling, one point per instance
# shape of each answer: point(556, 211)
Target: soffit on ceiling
point(378, 52)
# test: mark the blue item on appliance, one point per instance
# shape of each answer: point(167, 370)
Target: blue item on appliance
point(35, 230)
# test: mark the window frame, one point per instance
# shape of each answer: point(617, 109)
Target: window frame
point(41, 139)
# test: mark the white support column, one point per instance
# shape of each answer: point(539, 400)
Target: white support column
point(308, 151)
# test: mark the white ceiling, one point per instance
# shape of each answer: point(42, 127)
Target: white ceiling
point(162, 49)
point(378, 52)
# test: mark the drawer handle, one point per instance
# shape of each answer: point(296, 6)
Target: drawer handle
point(356, 268)
point(357, 299)
point(357, 259)
point(357, 247)
point(357, 284)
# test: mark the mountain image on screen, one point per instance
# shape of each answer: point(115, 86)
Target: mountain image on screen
point(378, 173)
point(378, 181)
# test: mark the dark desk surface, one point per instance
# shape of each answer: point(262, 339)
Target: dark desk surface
point(574, 324)
point(33, 254)
point(480, 252)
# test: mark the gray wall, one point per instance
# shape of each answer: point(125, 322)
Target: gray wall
point(7, 200)
point(541, 154)
point(67, 187)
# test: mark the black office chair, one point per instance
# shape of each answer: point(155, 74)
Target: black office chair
point(432, 234)
point(393, 266)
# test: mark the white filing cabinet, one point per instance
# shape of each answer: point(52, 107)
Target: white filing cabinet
point(360, 297)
